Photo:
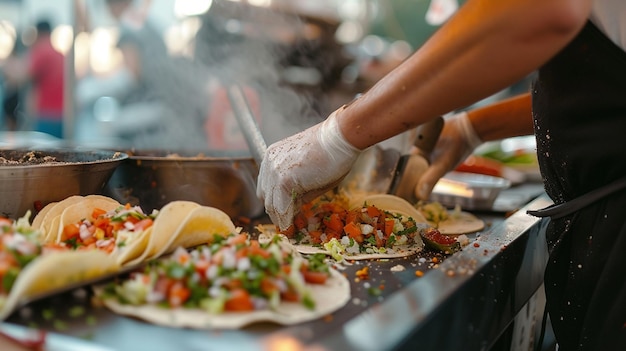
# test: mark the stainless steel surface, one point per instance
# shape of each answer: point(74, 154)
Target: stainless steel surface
point(151, 179)
point(29, 187)
point(247, 123)
point(462, 302)
point(413, 165)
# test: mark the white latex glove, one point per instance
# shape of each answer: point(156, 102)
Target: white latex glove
point(302, 167)
point(457, 141)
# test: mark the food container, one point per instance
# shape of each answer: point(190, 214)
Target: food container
point(33, 178)
point(151, 179)
point(471, 191)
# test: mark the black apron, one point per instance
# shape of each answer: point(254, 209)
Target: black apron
point(579, 111)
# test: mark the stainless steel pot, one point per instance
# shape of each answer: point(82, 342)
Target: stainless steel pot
point(30, 185)
point(223, 180)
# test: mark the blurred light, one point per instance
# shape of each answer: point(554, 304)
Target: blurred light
point(261, 3)
point(233, 26)
point(81, 53)
point(349, 32)
point(7, 39)
point(104, 56)
point(105, 109)
point(186, 8)
point(29, 35)
point(177, 36)
point(373, 45)
point(61, 38)
point(400, 50)
point(351, 9)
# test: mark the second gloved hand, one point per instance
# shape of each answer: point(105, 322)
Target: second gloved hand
point(303, 166)
point(457, 141)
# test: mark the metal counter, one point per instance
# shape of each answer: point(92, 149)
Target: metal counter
point(461, 302)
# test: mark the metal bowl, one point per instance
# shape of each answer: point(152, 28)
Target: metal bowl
point(223, 180)
point(471, 191)
point(30, 182)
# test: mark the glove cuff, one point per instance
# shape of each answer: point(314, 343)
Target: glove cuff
point(333, 140)
point(469, 133)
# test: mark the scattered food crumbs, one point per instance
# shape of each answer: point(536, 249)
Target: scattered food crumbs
point(88, 336)
point(476, 244)
point(47, 314)
point(366, 285)
point(26, 312)
point(435, 260)
point(59, 325)
point(419, 273)
point(463, 240)
point(374, 291)
point(328, 318)
point(450, 273)
point(397, 268)
point(76, 311)
point(91, 320)
point(356, 301)
point(363, 273)
point(422, 260)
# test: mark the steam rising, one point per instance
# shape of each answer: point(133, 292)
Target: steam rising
point(233, 45)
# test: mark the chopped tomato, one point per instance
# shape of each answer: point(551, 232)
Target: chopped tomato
point(268, 286)
point(178, 294)
point(143, 224)
point(354, 231)
point(314, 277)
point(334, 222)
point(389, 223)
point(239, 300)
point(71, 231)
point(97, 212)
point(290, 295)
point(373, 211)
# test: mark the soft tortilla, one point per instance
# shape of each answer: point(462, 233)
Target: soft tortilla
point(184, 223)
point(54, 271)
point(44, 220)
point(48, 220)
point(460, 223)
point(328, 298)
point(389, 203)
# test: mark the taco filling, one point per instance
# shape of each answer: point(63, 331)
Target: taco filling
point(362, 230)
point(233, 274)
point(108, 230)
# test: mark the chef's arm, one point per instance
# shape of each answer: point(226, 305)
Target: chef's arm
point(504, 119)
point(485, 47)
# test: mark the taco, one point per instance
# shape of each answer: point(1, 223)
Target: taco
point(30, 268)
point(120, 230)
point(230, 283)
point(186, 224)
point(48, 219)
point(366, 230)
point(454, 222)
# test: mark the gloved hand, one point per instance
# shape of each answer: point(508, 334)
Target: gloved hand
point(302, 167)
point(457, 141)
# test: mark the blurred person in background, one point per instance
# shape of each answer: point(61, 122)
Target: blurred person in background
point(576, 109)
point(159, 95)
point(43, 72)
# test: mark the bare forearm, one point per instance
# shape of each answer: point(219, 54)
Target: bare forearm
point(507, 118)
point(486, 47)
